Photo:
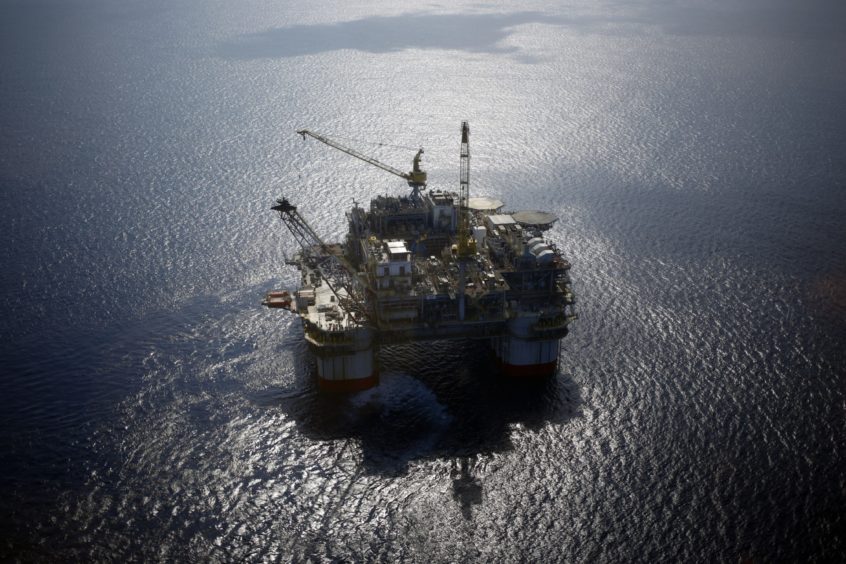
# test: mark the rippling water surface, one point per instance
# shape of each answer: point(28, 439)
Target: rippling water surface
point(151, 409)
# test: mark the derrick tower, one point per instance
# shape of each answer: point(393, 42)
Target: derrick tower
point(465, 245)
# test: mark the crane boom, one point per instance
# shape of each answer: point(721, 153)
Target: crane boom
point(416, 178)
point(340, 276)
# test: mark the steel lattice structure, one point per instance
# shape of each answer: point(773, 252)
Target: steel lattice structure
point(336, 271)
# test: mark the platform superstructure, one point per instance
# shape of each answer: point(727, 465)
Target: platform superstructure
point(431, 265)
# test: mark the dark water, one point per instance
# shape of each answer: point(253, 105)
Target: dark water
point(151, 409)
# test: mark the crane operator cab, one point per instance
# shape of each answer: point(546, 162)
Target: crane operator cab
point(417, 177)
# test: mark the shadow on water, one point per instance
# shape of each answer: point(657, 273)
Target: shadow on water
point(466, 488)
point(442, 400)
point(435, 400)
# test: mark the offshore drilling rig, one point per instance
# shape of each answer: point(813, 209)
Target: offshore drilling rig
point(433, 265)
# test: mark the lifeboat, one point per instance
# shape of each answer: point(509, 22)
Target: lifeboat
point(277, 299)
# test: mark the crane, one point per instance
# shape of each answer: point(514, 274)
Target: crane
point(337, 272)
point(416, 178)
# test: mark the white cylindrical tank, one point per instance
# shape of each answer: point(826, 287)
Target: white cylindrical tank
point(545, 256)
point(537, 248)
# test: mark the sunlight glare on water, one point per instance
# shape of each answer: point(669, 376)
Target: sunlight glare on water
point(152, 409)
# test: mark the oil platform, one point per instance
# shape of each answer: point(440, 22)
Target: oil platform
point(432, 265)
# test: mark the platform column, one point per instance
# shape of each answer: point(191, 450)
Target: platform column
point(349, 366)
point(521, 356)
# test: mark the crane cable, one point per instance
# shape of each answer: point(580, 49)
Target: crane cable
point(377, 143)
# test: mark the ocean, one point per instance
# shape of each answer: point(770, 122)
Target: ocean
point(152, 409)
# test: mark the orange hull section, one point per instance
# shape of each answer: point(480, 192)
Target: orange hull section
point(353, 385)
point(528, 370)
